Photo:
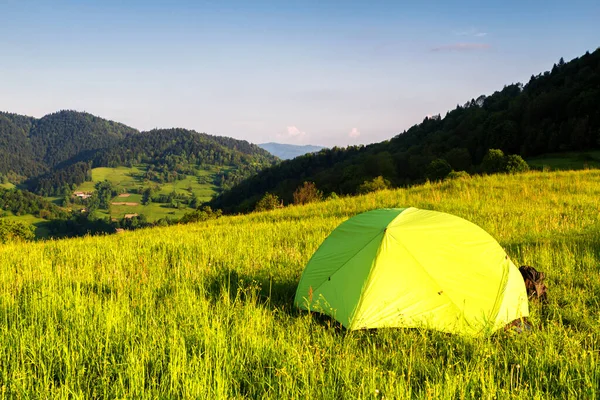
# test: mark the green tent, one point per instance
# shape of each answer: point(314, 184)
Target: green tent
point(405, 267)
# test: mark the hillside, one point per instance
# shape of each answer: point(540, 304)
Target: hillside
point(168, 155)
point(289, 151)
point(205, 311)
point(169, 199)
point(554, 112)
point(53, 154)
point(30, 146)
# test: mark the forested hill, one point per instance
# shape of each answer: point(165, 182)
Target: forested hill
point(555, 111)
point(162, 145)
point(58, 150)
point(30, 146)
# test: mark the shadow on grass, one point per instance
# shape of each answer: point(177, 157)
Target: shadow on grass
point(277, 295)
point(269, 291)
point(41, 229)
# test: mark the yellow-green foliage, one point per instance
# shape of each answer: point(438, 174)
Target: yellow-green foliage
point(204, 310)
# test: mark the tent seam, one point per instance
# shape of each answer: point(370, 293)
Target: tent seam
point(347, 261)
point(373, 266)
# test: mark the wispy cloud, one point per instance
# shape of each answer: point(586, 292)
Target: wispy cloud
point(462, 47)
point(354, 133)
point(471, 32)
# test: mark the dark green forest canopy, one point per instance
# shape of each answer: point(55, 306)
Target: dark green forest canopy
point(30, 147)
point(556, 111)
point(180, 145)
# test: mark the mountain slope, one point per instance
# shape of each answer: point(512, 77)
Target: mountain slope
point(61, 136)
point(555, 111)
point(162, 144)
point(57, 152)
point(289, 151)
point(30, 146)
point(16, 152)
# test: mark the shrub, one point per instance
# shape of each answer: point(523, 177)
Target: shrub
point(307, 193)
point(15, 231)
point(515, 163)
point(199, 215)
point(493, 162)
point(268, 202)
point(458, 175)
point(376, 184)
point(437, 170)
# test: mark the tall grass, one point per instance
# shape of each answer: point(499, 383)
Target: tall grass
point(205, 311)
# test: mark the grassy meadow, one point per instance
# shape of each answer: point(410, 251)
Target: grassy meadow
point(131, 178)
point(205, 310)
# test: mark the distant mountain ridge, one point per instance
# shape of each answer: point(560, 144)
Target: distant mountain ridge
point(289, 151)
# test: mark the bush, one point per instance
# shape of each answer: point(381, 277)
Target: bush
point(268, 202)
point(437, 170)
point(493, 162)
point(515, 163)
point(203, 214)
point(376, 184)
point(15, 231)
point(458, 175)
point(307, 193)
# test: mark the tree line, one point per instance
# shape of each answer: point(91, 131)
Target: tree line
point(20, 202)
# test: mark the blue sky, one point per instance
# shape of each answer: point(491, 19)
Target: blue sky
point(323, 72)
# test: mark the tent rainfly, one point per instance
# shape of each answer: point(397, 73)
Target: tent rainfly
point(406, 267)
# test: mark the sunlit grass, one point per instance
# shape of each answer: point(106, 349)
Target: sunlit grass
point(205, 310)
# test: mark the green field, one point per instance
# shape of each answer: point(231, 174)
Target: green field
point(153, 211)
point(205, 310)
point(121, 176)
point(566, 161)
point(39, 224)
point(131, 179)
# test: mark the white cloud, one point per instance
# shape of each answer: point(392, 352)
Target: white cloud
point(354, 133)
point(292, 132)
